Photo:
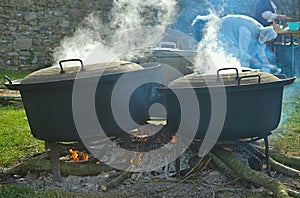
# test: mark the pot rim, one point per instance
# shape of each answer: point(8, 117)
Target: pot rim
point(18, 85)
point(232, 88)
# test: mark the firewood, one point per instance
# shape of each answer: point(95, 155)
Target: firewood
point(287, 160)
point(67, 168)
point(284, 169)
point(294, 193)
point(276, 166)
point(222, 166)
point(188, 175)
point(250, 175)
point(116, 181)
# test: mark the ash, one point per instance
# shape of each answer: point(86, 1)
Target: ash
point(156, 183)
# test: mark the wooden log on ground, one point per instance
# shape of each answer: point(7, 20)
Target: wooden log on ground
point(284, 169)
point(276, 166)
point(222, 166)
point(67, 168)
point(116, 181)
point(288, 160)
point(250, 175)
point(293, 193)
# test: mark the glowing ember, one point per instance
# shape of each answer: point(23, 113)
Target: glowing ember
point(132, 160)
point(174, 139)
point(78, 155)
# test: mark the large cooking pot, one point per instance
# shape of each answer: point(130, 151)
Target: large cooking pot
point(47, 96)
point(174, 64)
point(170, 57)
point(252, 102)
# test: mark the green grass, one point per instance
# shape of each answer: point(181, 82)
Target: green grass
point(13, 191)
point(287, 137)
point(13, 74)
point(16, 140)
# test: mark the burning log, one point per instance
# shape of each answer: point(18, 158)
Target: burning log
point(78, 155)
point(250, 175)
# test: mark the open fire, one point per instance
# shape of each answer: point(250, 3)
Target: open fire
point(77, 156)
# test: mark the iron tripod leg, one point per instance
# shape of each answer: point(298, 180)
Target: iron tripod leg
point(54, 160)
point(177, 161)
point(267, 155)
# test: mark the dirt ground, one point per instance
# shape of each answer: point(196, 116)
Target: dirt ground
point(7, 92)
point(208, 182)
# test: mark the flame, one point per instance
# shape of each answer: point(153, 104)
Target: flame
point(78, 155)
point(174, 139)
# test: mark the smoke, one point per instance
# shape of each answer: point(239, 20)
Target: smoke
point(129, 27)
point(210, 54)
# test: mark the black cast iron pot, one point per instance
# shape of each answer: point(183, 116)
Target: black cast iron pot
point(251, 100)
point(47, 96)
point(174, 64)
point(170, 58)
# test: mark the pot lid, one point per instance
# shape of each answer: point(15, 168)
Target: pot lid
point(59, 73)
point(232, 78)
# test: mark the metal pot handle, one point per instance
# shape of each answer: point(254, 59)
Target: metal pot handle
point(154, 59)
point(8, 79)
point(250, 76)
point(69, 60)
point(229, 68)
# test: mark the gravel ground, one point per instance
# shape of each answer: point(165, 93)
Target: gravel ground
point(208, 183)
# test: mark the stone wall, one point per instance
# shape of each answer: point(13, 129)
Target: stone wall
point(290, 8)
point(31, 29)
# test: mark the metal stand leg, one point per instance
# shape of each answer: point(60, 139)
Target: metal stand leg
point(177, 161)
point(54, 160)
point(177, 165)
point(267, 155)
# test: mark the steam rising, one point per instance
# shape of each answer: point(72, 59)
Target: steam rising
point(210, 54)
point(129, 28)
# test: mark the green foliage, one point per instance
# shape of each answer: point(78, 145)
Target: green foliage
point(16, 139)
point(13, 191)
point(12, 74)
point(31, 57)
point(287, 135)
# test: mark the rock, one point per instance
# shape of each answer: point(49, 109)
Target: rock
point(22, 44)
point(29, 16)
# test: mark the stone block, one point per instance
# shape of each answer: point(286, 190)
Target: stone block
point(22, 44)
point(30, 16)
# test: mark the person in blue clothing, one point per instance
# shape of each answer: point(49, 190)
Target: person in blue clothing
point(265, 11)
point(245, 38)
